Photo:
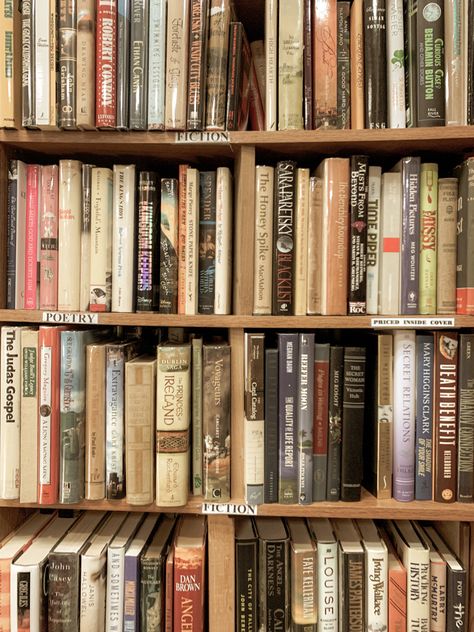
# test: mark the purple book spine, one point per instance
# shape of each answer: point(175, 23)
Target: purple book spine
point(131, 611)
point(410, 235)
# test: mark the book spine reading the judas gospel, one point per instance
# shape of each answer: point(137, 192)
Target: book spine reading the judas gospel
point(169, 247)
point(123, 76)
point(69, 247)
point(123, 238)
point(359, 184)
point(139, 65)
point(148, 240)
point(85, 64)
point(101, 248)
point(290, 64)
point(176, 64)
point(48, 231)
point(106, 64)
point(156, 65)
point(216, 73)
point(197, 64)
point(67, 63)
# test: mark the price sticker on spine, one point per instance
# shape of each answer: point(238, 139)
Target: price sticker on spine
point(229, 509)
point(75, 318)
point(408, 323)
point(202, 137)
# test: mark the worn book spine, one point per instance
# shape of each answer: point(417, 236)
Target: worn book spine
point(33, 175)
point(315, 227)
point(123, 74)
point(470, 63)
point(287, 418)
point(10, 64)
point(395, 66)
point(384, 417)
point(196, 433)
point(139, 50)
point(168, 256)
point(357, 65)
point(216, 422)
point(85, 238)
point(273, 606)
point(106, 64)
point(325, 64)
point(169, 591)
point(424, 417)
point(374, 220)
point(343, 65)
point(147, 290)
point(28, 63)
point(93, 583)
point(428, 237)
point(123, 238)
point(235, 72)
point(283, 238)
point(67, 63)
point(456, 72)
point(254, 408)
point(182, 193)
point(410, 236)
point(271, 64)
point(29, 416)
point(301, 241)
point(262, 296)
point(63, 591)
point(352, 586)
point(410, 8)
point(248, 99)
point(307, 65)
point(12, 206)
point(271, 459)
point(223, 264)
point(465, 227)
point(48, 231)
point(359, 183)
point(334, 437)
point(217, 52)
point(95, 423)
point(430, 63)
point(45, 65)
point(446, 259)
point(100, 297)
point(196, 100)
point(246, 584)
point(304, 417)
point(390, 238)
point(465, 397)
point(374, 64)
point(69, 246)
point(191, 253)
point(151, 592)
point(320, 420)
point(207, 242)
point(156, 65)
point(445, 420)
point(85, 64)
point(290, 64)
point(177, 31)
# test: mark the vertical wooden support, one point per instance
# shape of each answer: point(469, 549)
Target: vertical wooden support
point(236, 340)
point(220, 546)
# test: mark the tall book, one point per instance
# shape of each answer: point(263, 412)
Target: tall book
point(33, 175)
point(290, 64)
point(307, 65)
point(197, 64)
point(156, 65)
point(29, 416)
point(196, 431)
point(262, 296)
point(271, 65)
point(191, 232)
point(409, 17)
point(374, 238)
point(239, 65)
point(138, 89)
point(446, 259)
point(85, 64)
point(123, 238)
point(69, 245)
point(328, 580)
point(16, 234)
point(375, 48)
point(303, 565)
point(182, 211)
point(465, 392)
point(67, 64)
point(376, 575)
point(465, 227)
point(84, 293)
point(424, 417)
point(100, 298)
point(45, 62)
point(390, 240)
point(95, 422)
point(428, 236)
point(168, 300)
point(147, 291)
point(320, 420)
point(254, 420)
point(359, 184)
point(207, 242)
point(315, 257)
point(325, 63)
point(271, 429)
point(396, 115)
point(343, 65)
point(430, 63)
point(455, 48)
point(304, 417)
point(246, 575)
point(177, 31)
point(106, 64)
point(334, 437)
point(10, 63)
point(357, 65)
point(224, 223)
point(48, 230)
point(397, 587)
point(217, 53)
point(28, 104)
point(288, 352)
point(301, 241)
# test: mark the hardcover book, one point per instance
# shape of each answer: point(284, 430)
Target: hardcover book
point(304, 417)
point(396, 114)
point(69, 246)
point(67, 63)
point(95, 422)
point(254, 420)
point(246, 576)
point(207, 242)
point(303, 565)
point(315, 255)
point(465, 230)
point(465, 455)
point(446, 259)
point(224, 232)
point(123, 63)
point(100, 298)
point(375, 69)
point(197, 64)
point(33, 175)
point(139, 49)
point(271, 65)
point(428, 236)
point(288, 345)
point(85, 254)
point(430, 63)
point(376, 575)
point(177, 31)
point(148, 267)
point(16, 234)
point(169, 247)
point(424, 417)
point(325, 64)
point(307, 64)
point(85, 64)
point(390, 240)
point(334, 437)
point(262, 298)
point(191, 245)
point(328, 573)
point(28, 109)
point(397, 587)
point(106, 65)
point(290, 64)
point(123, 238)
point(29, 376)
point(271, 430)
point(156, 65)
point(357, 65)
point(320, 420)
point(343, 65)
point(301, 241)
point(48, 230)
point(374, 238)
point(359, 184)
point(197, 412)
point(10, 63)
point(217, 52)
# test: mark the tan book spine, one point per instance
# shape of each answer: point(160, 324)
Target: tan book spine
point(10, 65)
point(446, 268)
point(101, 241)
point(29, 417)
point(290, 65)
point(69, 247)
point(262, 289)
point(85, 71)
point(357, 65)
point(325, 63)
point(217, 52)
point(315, 232)
point(140, 385)
point(95, 422)
point(455, 18)
point(223, 266)
point(384, 416)
point(177, 29)
point(271, 64)
point(301, 241)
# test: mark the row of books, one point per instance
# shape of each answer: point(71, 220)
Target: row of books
point(353, 240)
point(321, 419)
point(82, 237)
point(368, 64)
point(101, 571)
point(137, 64)
point(92, 414)
point(347, 575)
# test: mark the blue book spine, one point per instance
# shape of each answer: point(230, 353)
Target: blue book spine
point(287, 421)
point(424, 417)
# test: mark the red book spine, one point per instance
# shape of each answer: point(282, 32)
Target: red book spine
point(188, 599)
point(48, 415)
point(31, 235)
point(106, 64)
point(49, 238)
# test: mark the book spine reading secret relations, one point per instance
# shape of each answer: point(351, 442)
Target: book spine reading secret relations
point(106, 64)
point(271, 426)
point(321, 420)
point(67, 63)
point(359, 184)
point(156, 65)
point(465, 486)
point(254, 417)
point(147, 251)
point(197, 64)
point(424, 416)
point(287, 410)
point(139, 50)
point(374, 64)
point(85, 65)
point(169, 247)
point(343, 65)
point(207, 242)
point(430, 80)
point(48, 230)
point(283, 238)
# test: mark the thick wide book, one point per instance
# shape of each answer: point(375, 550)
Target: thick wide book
point(246, 575)
point(375, 19)
point(196, 99)
point(177, 29)
point(69, 231)
point(217, 54)
point(430, 66)
point(290, 64)
point(397, 587)
point(106, 64)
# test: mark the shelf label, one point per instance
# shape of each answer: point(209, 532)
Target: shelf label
point(76, 318)
point(202, 137)
point(407, 322)
point(230, 509)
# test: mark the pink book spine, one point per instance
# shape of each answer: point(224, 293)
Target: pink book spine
point(48, 297)
point(31, 235)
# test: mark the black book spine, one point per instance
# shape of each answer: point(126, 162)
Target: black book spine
point(148, 246)
point(424, 417)
point(352, 590)
point(430, 63)
point(27, 63)
point(67, 63)
point(151, 592)
point(307, 66)
point(139, 65)
point(336, 386)
point(197, 64)
point(123, 63)
point(283, 248)
point(343, 65)
point(23, 601)
point(456, 600)
point(234, 74)
point(353, 423)
point(409, 17)
point(465, 491)
point(358, 248)
point(246, 585)
point(207, 242)
point(63, 591)
point(375, 64)
point(168, 246)
point(287, 411)
point(470, 63)
point(271, 479)
point(274, 587)
point(11, 239)
point(410, 235)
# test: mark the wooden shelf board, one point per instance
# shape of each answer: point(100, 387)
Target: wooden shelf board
point(193, 506)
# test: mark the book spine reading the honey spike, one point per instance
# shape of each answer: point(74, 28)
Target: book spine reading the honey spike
point(29, 416)
point(156, 65)
point(28, 63)
point(123, 75)
point(359, 185)
point(465, 486)
point(446, 260)
point(396, 114)
point(430, 63)
point(224, 216)
point(106, 64)
point(343, 65)
point(101, 248)
point(139, 52)
point(48, 229)
point(271, 64)
point(176, 64)
point(290, 64)
point(197, 64)
point(262, 297)
point(169, 247)
point(147, 291)
point(69, 247)
point(85, 64)
point(374, 220)
point(287, 411)
point(216, 72)
point(325, 64)
point(207, 242)
point(424, 417)
point(374, 64)
point(33, 174)
point(123, 238)
point(254, 399)
point(67, 63)
point(183, 169)
point(428, 241)
point(357, 65)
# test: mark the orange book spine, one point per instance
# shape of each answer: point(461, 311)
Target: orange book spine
point(357, 66)
point(397, 599)
point(188, 606)
point(182, 239)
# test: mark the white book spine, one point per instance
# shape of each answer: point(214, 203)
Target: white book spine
point(101, 239)
point(390, 226)
point(263, 251)
point(69, 248)
point(301, 241)
point(29, 417)
point(42, 76)
point(123, 240)
point(191, 248)
point(376, 583)
point(156, 65)
point(176, 64)
point(92, 614)
point(20, 235)
point(85, 238)
point(395, 65)
point(10, 412)
point(271, 62)
point(373, 238)
point(223, 270)
point(328, 597)
point(115, 590)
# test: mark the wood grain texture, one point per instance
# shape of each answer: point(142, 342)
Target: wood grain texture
point(221, 587)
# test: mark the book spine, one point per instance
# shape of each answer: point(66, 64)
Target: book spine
point(430, 64)
point(191, 246)
point(274, 594)
point(396, 114)
point(234, 74)
point(325, 64)
point(217, 53)
point(48, 229)
point(123, 60)
point(375, 69)
point(287, 411)
point(357, 65)
point(169, 247)
point(29, 417)
point(343, 66)
point(470, 64)
point(457, 600)
point(455, 19)
point(428, 240)
point(189, 588)
point(63, 591)
point(139, 65)
point(303, 590)
point(45, 48)
point(374, 220)
point(246, 580)
point(101, 247)
point(271, 64)
point(114, 426)
point(95, 423)
point(307, 66)
point(315, 227)
point(93, 583)
point(197, 64)
point(301, 220)
point(147, 250)
point(404, 415)
point(123, 238)
point(359, 175)
point(397, 601)
point(445, 416)
point(254, 409)
point(352, 572)
point(409, 292)
point(10, 399)
point(376, 589)
point(207, 242)
point(336, 392)
point(156, 65)
point(271, 458)
point(176, 64)
point(10, 63)
point(33, 174)
point(115, 595)
point(169, 591)
point(410, 8)
point(182, 197)
point(389, 274)
point(262, 297)
point(446, 260)
point(384, 464)
point(28, 63)
point(12, 203)
point(328, 581)
point(465, 226)
point(465, 487)
point(69, 247)
point(283, 234)
point(216, 422)
point(173, 419)
point(224, 213)
point(424, 417)
point(85, 64)
point(131, 612)
point(151, 591)
point(304, 417)
point(290, 64)
point(106, 64)
point(85, 237)
point(321, 420)
point(67, 63)
point(22, 598)
point(196, 351)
